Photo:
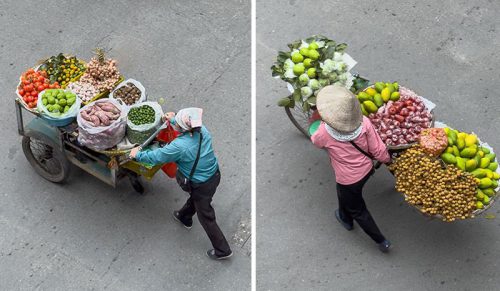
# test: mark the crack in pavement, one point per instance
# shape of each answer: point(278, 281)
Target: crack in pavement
point(243, 234)
point(115, 258)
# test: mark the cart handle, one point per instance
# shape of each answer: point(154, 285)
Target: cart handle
point(145, 143)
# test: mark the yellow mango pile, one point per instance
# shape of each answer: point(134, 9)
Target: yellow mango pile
point(465, 152)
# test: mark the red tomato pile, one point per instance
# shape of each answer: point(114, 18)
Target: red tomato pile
point(33, 83)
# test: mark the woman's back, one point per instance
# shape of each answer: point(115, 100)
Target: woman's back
point(188, 145)
point(349, 164)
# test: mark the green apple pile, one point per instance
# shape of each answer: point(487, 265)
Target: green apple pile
point(311, 64)
point(58, 101)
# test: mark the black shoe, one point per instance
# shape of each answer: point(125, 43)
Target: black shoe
point(178, 219)
point(384, 246)
point(211, 254)
point(344, 224)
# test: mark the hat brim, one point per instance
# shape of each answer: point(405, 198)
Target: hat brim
point(339, 108)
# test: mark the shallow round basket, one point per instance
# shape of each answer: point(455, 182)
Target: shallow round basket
point(36, 68)
point(492, 200)
point(405, 146)
point(439, 216)
point(20, 98)
point(476, 212)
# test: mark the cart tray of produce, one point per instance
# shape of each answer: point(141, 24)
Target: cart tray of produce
point(56, 132)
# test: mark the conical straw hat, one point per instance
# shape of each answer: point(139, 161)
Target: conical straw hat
point(339, 108)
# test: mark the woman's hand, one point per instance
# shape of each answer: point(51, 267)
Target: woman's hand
point(389, 162)
point(134, 151)
point(168, 116)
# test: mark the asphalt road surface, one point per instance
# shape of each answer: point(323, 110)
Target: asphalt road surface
point(444, 50)
point(85, 235)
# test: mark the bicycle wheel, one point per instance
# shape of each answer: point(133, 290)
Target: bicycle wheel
point(47, 160)
point(299, 118)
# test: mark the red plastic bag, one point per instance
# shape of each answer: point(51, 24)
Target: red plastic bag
point(168, 135)
point(170, 169)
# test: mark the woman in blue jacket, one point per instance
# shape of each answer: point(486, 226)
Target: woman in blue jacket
point(206, 175)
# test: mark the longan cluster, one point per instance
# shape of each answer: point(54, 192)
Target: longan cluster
point(448, 192)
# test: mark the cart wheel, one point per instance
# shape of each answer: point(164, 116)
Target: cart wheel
point(299, 118)
point(136, 183)
point(45, 157)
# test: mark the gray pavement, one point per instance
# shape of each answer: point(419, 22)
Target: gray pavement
point(85, 235)
point(444, 50)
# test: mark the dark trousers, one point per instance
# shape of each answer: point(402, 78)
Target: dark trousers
point(352, 207)
point(199, 202)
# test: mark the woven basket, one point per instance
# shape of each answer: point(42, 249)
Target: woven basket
point(36, 67)
point(438, 216)
point(406, 146)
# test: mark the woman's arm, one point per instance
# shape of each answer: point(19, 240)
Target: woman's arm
point(317, 138)
point(166, 154)
point(376, 146)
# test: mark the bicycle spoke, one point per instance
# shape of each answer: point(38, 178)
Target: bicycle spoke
point(301, 117)
point(53, 166)
point(44, 156)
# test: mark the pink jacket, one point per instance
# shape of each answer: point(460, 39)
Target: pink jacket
point(349, 164)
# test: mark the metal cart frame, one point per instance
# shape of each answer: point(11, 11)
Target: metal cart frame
point(51, 150)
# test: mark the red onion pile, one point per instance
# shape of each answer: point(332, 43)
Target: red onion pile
point(400, 122)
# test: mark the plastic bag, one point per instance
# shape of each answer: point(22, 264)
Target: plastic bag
point(71, 113)
point(137, 84)
point(125, 144)
point(137, 134)
point(433, 141)
point(102, 137)
point(170, 169)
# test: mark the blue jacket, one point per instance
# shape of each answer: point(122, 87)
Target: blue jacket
point(182, 151)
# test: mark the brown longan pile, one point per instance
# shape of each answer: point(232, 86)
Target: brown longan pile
point(435, 190)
